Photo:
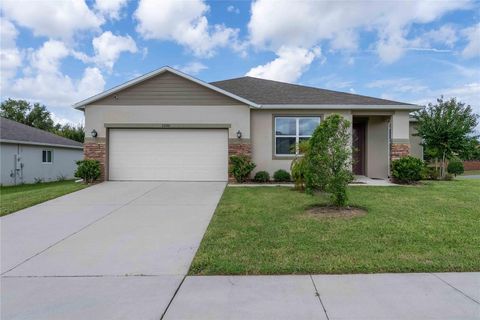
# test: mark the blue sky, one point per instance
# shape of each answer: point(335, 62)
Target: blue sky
point(411, 51)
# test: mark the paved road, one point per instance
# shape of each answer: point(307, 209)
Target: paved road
point(117, 250)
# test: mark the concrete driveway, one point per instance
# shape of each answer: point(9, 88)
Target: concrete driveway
point(117, 250)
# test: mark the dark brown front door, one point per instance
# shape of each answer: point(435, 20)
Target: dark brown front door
point(358, 145)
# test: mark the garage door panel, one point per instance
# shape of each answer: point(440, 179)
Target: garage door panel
point(168, 154)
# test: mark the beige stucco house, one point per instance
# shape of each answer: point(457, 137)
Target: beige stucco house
point(167, 125)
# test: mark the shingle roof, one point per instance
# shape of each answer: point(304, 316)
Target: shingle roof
point(14, 131)
point(268, 92)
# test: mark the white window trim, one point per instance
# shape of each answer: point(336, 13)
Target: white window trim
point(51, 156)
point(297, 135)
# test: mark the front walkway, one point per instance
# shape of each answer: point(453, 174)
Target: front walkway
point(372, 296)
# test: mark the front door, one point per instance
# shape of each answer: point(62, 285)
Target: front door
point(358, 145)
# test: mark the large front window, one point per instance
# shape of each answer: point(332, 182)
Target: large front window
point(290, 131)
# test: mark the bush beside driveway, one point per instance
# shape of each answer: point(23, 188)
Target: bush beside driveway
point(432, 227)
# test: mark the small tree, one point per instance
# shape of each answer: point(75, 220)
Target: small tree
point(446, 128)
point(328, 159)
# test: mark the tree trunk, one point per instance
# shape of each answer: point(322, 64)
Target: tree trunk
point(443, 164)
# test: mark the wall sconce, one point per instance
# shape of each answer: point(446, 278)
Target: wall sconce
point(94, 133)
point(239, 134)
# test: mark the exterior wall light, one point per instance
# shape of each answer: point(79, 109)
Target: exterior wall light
point(94, 133)
point(239, 134)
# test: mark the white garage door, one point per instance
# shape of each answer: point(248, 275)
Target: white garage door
point(168, 154)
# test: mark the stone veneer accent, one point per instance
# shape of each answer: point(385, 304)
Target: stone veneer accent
point(238, 147)
point(399, 150)
point(95, 148)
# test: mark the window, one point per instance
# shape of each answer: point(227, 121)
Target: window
point(47, 156)
point(290, 131)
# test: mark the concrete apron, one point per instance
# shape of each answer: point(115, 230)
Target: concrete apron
point(117, 250)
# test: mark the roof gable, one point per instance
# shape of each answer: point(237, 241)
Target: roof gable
point(12, 131)
point(165, 86)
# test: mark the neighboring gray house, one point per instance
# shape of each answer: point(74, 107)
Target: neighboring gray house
point(29, 154)
point(167, 125)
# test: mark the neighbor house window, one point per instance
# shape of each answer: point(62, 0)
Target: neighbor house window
point(290, 131)
point(47, 156)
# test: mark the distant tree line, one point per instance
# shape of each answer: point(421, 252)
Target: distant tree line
point(36, 115)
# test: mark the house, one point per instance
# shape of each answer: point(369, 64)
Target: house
point(30, 155)
point(166, 125)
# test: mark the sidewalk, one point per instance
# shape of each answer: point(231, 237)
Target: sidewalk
point(369, 296)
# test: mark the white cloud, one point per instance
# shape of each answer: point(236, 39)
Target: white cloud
point(404, 85)
point(47, 59)
point(43, 80)
point(108, 48)
point(10, 56)
point(339, 22)
point(110, 9)
point(473, 36)
point(192, 68)
point(288, 66)
point(446, 35)
point(233, 9)
point(185, 23)
point(50, 18)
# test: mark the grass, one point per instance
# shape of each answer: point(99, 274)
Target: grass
point(471, 172)
point(424, 228)
point(14, 198)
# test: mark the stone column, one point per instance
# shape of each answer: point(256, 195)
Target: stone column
point(95, 148)
point(237, 147)
point(400, 135)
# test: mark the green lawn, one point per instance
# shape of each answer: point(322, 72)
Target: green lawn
point(14, 198)
point(425, 228)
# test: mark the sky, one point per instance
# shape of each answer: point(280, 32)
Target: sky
point(60, 52)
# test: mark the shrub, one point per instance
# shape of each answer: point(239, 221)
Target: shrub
point(455, 167)
point(241, 167)
point(430, 173)
point(262, 176)
point(282, 176)
point(88, 170)
point(37, 180)
point(61, 177)
point(297, 167)
point(328, 159)
point(407, 169)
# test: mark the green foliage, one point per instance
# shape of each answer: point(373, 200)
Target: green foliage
point(455, 167)
point(430, 173)
point(38, 116)
point(88, 170)
point(446, 129)
point(241, 166)
point(328, 159)
point(68, 131)
point(262, 176)
point(472, 150)
point(282, 176)
point(407, 169)
point(22, 111)
point(297, 167)
point(16, 110)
